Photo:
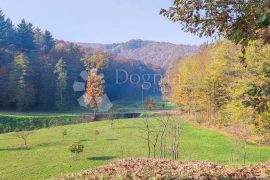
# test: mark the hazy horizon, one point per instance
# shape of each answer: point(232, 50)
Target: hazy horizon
point(145, 40)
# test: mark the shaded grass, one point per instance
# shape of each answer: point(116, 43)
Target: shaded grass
point(127, 106)
point(48, 155)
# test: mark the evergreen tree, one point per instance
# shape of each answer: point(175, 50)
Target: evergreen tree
point(25, 37)
point(38, 37)
point(46, 87)
point(3, 85)
point(47, 41)
point(61, 84)
point(11, 34)
point(21, 88)
point(2, 29)
point(6, 31)
point(74, 67)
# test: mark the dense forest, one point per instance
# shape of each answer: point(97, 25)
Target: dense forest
point(227, 83)
point(37, 72)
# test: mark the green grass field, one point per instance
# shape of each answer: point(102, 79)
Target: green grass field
point(49, 156)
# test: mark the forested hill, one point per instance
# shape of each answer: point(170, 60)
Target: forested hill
point(37, 72)
point(150, 52)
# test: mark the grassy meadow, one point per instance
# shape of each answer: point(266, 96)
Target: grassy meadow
point(48, 154)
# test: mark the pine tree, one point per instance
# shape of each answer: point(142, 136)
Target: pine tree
point(11, 34)
point(46, 86)
point(47, 41)
point(25, 37)
point(6, 31)
point(21, 87)
point(61, 84)
point(2, 29)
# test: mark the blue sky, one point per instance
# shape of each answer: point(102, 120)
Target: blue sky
point(99, 21)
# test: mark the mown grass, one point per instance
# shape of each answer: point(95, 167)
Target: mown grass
point(49, 156)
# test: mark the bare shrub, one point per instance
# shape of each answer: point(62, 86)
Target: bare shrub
point(24, 136)
point(239, 145)
point(166, 134)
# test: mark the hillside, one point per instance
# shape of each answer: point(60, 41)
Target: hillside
point(48, 155)
point(150, 52)
point(49, 68)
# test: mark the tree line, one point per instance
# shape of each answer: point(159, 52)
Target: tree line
point(37, 72)
point(217, 89)
point(227, 83)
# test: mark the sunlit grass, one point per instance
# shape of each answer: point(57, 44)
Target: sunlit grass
point(49, 156)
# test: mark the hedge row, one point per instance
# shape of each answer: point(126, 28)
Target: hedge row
point(10, 123)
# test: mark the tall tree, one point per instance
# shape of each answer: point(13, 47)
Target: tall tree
point(46, 86)
point(25, 36)
point(47, 41)
point(6, 31)
point(94, 90)
point(95, 61)
point(236, 20)
point(21, 87)
point(61, 84)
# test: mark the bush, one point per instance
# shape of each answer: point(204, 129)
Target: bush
point(11, 123)
point(233, 113)
point(76, 148)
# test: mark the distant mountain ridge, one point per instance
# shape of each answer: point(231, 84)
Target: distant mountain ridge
point(160, 54)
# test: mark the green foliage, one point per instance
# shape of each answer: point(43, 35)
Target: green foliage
point(21, 84)
point(76, 148)
point(7, 32)
point(47, 41)
point(96, 132)
point(25, 36)
point(64, 133)
point(47, 86)
point(42, 55)
point(196, 143)
point(9, 123)
point(239, 20)
point(61, 84)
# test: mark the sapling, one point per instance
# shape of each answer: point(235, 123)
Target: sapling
point(64, 133)
point(23, 135)
point(76, 148)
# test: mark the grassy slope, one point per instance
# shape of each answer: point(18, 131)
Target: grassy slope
point(49, 156)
